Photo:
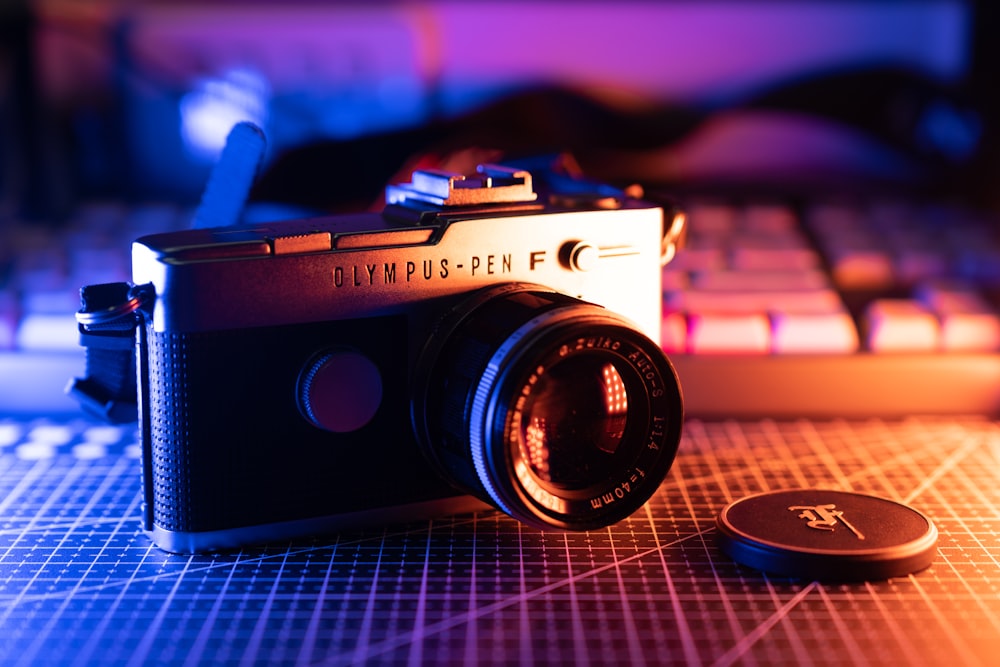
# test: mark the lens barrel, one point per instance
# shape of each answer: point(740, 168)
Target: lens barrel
point(557, 411)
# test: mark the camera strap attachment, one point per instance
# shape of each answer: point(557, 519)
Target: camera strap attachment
point(108, 318)
point(110, 313)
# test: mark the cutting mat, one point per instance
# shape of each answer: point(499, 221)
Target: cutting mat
point(79, 584)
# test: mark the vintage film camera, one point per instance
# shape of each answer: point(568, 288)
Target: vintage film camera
point(298, 377)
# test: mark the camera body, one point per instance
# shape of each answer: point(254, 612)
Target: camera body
point(302, 376)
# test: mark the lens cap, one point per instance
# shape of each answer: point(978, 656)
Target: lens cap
point(826, 535)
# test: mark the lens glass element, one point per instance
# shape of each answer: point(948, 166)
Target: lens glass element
point(572, 421)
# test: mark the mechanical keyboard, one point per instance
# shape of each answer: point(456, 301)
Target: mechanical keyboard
point(821, 308)
point(833, 308)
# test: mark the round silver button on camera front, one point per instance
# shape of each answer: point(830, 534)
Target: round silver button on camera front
point(340, 391)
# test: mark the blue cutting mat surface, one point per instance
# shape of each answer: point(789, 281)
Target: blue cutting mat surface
point(79, 584)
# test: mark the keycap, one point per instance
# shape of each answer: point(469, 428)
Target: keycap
point(743, 302)
point(759, 281)
point(860, 267)
point(900, 325)
point(967, 322)
point(728, 333)
point(791, 258)
point(915, 263)
point(857, 257)
point(707, 216)
point(772, 218)
point(814, 333)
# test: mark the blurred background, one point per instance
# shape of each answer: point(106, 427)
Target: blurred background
point(834, 317)
point(124, 98)
point(113, 112)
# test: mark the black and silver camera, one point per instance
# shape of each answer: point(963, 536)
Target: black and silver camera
point(475, 338)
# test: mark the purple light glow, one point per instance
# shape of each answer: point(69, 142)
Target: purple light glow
point(692, 51)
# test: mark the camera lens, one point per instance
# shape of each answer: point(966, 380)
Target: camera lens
point(557, 411)
point(572, 423)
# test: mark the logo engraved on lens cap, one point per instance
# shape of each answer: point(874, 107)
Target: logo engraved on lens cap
point(824, 517)
point(826, 535)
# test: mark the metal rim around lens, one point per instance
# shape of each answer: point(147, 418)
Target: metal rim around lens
point(650, 449)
